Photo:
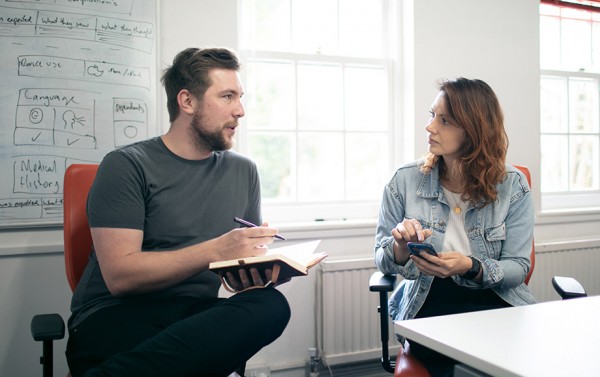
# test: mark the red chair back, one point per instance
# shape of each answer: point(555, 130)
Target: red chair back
point(525, 171)
point(77, 237)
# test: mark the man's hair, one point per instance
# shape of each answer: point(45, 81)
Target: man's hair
point(190, 70)
point(473, 106)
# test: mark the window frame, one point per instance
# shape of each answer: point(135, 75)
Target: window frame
point(570, 200)
point(341, 210)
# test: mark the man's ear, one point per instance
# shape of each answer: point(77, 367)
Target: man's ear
point(187, 102)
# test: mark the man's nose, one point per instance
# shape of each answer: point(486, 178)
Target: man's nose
point(239, 112)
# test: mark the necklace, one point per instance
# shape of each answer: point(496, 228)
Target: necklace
point(455, 202)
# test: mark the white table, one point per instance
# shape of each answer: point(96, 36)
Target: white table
point(558, 338)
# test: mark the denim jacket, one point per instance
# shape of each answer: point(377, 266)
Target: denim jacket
point(500, 235)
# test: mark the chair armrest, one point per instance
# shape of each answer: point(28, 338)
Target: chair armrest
point(47, 327)
point(568, 287)
point(382, 283)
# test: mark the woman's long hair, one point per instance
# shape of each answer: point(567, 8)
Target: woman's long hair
point(474, 107)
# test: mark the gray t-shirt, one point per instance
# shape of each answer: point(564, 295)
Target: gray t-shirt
point(175, 202)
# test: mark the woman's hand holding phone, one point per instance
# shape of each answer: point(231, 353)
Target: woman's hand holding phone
point(443, 265)
point(409, 230)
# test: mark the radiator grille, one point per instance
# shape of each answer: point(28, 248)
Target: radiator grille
point(348, 322)
point(581, 262)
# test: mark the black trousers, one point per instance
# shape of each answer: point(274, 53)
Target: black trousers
point(177, 336)
point(446, 297)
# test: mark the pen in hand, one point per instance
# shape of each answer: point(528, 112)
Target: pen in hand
point(250, 225)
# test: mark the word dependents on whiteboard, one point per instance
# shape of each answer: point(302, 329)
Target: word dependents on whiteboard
point(79, 80)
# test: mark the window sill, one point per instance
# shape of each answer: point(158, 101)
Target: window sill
point(366, 227)
point(562, 216)
point(328, 229)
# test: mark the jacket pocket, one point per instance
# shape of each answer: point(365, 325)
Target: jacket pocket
point(496, 234)
point(494, 238)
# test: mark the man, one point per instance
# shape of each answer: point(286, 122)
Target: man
point(160, 211)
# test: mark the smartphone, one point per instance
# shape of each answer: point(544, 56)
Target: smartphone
point(416, 248)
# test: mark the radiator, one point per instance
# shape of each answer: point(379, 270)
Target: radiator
point(347, 318)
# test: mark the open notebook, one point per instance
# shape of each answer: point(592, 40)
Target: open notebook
point(294, 260)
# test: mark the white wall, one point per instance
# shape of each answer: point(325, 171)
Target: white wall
point(495, 40)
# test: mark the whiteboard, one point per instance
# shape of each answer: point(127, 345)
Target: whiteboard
point(78, 80)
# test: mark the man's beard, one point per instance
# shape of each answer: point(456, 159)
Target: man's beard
point(209, 140)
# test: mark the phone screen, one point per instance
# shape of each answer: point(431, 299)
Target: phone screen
point(416, 248)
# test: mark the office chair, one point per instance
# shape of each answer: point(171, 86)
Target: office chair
point(406, 364)
point(78, 245)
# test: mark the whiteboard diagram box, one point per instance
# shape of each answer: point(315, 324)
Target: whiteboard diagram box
point(38, 174)
point(130, 118)
point(55, 117)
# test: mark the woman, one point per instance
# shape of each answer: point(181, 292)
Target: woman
point(476, 211)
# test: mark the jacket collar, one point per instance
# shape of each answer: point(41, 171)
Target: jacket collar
point(430, 184)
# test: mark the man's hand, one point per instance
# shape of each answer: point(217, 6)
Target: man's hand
point(252, 278)
point(244, 242)
point(244, 279)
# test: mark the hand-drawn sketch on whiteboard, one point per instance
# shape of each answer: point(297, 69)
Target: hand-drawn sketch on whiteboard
point(78, 79)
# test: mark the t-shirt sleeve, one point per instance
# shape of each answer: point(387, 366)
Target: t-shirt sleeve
point(254, 203)
point(116, 198)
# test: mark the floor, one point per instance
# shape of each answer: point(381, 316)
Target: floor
point(364, 369)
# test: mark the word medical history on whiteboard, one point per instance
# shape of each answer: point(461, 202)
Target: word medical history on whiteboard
point(78, 80)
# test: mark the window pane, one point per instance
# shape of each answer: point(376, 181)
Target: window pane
point(549, 10)
point(320, 97)
point(583, 105)
point(596, 47)
point(549, 48)
point(584, 163)
point(273, 154)
point(366, 99)
point(361, 28)
point(553, 104)
point(315, 26)
point(576, 14)
point(576, 43)
point(367, 171)
point(271, 93)
point(320, 166)
point(555, 163)
point(266, 24)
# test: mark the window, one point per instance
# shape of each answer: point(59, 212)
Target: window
point(318, 100)
point(570, 106)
